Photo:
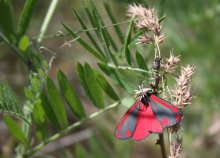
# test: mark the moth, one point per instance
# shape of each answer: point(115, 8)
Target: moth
point(149, 114)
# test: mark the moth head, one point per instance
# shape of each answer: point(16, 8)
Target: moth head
point(142, 92)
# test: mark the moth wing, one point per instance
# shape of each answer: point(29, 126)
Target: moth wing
point(127, 125)
point(147, 123)
point(166, 113)
point(138, 122)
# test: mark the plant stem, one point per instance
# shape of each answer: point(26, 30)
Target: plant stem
point(128, 68)
point(69, 129)
point(47, 19)
point(162, 145)
point(87, 30)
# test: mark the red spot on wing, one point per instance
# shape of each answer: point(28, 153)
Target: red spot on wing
point(164, 103)
point(127, 114)
point(165, 122)
point(146, 123)
point(128, 133)
point(178, 117)
point(118, 134)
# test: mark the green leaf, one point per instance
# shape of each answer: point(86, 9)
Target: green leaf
point(127, 101)
point(134, 39)
point(96, 23)
point(82, 78)
point(70, 95)
point(25, 17)
point(28, 93)
point(114, 59)
point(8, 102)
point(6, 20)
point(140, 61)
point(127, 42)
point(35, 84)
point(56, 102)
point(23, 43)
point(113, 20)
point(127, 79)
point(86, 81)
point(106, 86)
point(15, 130)
point(91, 19)
point(99, 24)
point(162, 18)
point(117, 76)
point(48, 109)
point(84, 44)
point(39, 117)
point(91, 38)
point(94, 89)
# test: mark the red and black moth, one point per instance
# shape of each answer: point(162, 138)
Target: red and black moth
point(149, 114)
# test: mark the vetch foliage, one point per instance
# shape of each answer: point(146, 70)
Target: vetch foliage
point(121, 67)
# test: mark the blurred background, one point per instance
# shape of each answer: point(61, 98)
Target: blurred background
point(192, 31)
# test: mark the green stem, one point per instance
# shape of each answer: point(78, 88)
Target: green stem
point(16, 115)
point(69, 129)
point(128, 68)
point(47, 19)
point(87, 30)
point(21, 149)
point(162, 145)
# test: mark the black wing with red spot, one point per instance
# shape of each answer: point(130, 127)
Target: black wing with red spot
point(138, 122)
point(166, 113)
point(127, 125)
point(147, 115)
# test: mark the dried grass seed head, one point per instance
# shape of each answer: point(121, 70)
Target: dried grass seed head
point(146, 18)
point(186, 75)
point(171, 63)
point(146, 39)
point(182, 92)
point(176, 148)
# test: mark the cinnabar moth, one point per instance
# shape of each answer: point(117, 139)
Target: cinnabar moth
point(149, 114)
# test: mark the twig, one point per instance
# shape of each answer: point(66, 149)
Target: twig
point(162, 145)
point(69, 129)
point(47, 19)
